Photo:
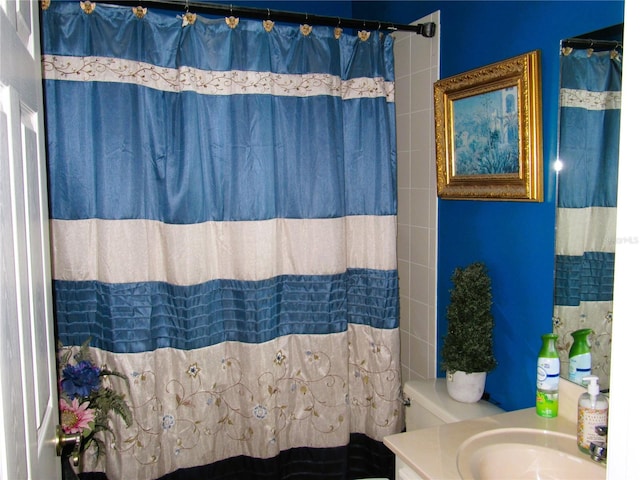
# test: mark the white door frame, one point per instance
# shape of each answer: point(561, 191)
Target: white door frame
point(28, 386)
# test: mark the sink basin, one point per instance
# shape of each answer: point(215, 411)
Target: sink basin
point(525, 453)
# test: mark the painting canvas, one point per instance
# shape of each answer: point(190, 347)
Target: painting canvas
point(488, 132)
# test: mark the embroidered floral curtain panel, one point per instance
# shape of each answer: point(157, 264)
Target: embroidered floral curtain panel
point(590, 85)
point(223, 204)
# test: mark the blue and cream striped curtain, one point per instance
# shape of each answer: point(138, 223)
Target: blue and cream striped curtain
point(223, 203)
point(587, 192)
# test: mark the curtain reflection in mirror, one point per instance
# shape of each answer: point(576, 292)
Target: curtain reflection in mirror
point(589, 130)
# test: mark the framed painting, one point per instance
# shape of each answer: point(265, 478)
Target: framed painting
point(488, 132)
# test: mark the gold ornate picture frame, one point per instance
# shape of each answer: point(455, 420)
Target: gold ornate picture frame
point(488, 132)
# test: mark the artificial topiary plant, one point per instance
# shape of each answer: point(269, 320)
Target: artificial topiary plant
point(468, 345)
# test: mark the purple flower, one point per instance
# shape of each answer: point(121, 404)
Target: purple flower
point(81, 379)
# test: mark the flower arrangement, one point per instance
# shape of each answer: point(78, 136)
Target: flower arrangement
point(86, 400)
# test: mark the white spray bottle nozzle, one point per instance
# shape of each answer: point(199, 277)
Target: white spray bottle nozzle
point(594, 387)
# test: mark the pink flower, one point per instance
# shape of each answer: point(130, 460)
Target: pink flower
point(74, 418)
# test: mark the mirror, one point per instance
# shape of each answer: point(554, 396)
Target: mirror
point(587, 175)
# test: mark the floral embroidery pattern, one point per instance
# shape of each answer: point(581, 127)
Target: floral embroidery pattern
point(280, 357)
point(374, 372)
point(218, 401)
point(211, 82)
point(260, 412)
point(590, 100)
point(168, 421)
point(193, 370)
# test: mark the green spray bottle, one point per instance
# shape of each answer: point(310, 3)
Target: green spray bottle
point(580, 356)
point(548, 378)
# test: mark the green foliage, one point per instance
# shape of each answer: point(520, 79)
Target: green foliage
point(468, 345)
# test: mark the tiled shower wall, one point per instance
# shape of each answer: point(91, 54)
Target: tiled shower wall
point(417, 61)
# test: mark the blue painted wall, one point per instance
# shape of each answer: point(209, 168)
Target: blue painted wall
point(515, 240)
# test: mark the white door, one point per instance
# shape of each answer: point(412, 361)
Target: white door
point(28, 391)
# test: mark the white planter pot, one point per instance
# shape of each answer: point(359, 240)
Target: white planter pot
point(466, 387)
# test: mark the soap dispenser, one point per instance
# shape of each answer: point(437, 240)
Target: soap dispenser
point(593, 412)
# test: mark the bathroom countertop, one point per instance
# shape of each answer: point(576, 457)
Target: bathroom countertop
point(431, 452)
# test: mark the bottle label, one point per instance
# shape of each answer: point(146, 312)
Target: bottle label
point(548, 373)
point(547, 403)
point(579, 367)
point(588, 420)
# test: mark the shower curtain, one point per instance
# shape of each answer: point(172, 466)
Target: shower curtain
point(589, 127)
point(223, 203)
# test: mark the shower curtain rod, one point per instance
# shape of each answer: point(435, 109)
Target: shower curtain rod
point(425, 29)
point(584, 43)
